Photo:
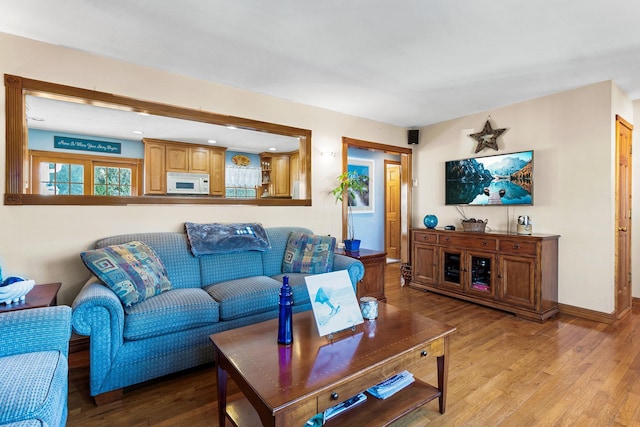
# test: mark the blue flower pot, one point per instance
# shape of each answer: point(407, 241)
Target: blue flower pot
point(352, 245)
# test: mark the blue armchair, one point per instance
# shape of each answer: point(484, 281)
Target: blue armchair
point(33, 366)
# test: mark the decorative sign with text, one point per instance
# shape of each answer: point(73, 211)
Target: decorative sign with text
point(87, 145)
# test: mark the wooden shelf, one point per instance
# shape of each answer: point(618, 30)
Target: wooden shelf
point(241, 413)
point(384, 412)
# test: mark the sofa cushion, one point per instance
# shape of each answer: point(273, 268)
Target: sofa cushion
point(217, 238)
point(183, 269)
point(171, 311)
point(308, 253)
point(245, 297)
point(298, 287)
point(34, 386)
point(272, 259)
point(132, 270)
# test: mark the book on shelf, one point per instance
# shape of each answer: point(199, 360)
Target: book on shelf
point(480, 286)
point(344, 406)
point(392, 385)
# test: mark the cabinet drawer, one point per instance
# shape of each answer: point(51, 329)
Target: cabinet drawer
point(419, 362)
point(485, 243)
point(516, 247)
point(425, 237)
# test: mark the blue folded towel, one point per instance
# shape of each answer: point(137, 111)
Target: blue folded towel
point(218, 238)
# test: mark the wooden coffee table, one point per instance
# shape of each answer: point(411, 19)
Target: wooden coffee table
point(287, 385)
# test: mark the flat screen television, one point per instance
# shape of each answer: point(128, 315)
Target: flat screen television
point(501, 179)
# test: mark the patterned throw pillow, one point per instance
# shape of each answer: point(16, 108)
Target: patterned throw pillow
point(132, 270)
point(308, 253)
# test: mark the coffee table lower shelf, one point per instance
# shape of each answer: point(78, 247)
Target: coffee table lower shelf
point(384, 412)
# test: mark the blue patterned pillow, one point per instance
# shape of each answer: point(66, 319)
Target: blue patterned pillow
point(132, 270)
point(308, 253)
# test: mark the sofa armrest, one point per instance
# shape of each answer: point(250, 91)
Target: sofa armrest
point(354, 267)
point(98, 313)
point(37, 329)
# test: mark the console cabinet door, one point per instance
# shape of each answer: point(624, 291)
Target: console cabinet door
point(479, 274)
point(425, 264)
point(452, 262)
point(517, 280)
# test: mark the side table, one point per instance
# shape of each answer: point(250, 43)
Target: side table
point(40, 296)
point(372, 284)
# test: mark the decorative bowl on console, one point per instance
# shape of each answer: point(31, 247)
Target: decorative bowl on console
point(474, 225)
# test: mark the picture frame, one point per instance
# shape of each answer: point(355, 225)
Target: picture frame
point(364, 202)
point(333, 301)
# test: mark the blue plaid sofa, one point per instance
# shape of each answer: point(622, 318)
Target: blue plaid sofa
point(170, 332)
point(33, 366)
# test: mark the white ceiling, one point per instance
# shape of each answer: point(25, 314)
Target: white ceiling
point(405, 62)
point(84, 119)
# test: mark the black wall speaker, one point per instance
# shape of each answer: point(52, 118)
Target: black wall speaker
point(413, 135)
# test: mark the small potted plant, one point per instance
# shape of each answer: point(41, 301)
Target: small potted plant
point(349, 184)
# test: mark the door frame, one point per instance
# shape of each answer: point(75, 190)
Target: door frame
point(405, 190)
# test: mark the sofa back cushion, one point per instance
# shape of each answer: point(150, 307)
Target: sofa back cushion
point(222, 267)
point(183, 269)
point(278, 236)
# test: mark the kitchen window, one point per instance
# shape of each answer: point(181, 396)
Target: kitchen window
point(77, 175)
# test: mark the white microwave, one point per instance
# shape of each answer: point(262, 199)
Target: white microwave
point(187, 183)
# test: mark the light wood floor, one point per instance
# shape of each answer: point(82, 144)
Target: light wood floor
point(504, 371)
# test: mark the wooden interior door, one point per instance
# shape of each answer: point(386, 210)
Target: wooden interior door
point(623, 217)
point(392, 209)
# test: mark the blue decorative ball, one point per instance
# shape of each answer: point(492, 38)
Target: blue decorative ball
point(430, 221)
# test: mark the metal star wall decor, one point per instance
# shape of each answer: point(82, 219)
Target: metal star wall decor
point(488, 137)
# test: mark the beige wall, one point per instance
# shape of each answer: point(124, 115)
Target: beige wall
point(573, 138)
point(43, 242)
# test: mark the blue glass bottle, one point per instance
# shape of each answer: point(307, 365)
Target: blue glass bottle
point(285, 326)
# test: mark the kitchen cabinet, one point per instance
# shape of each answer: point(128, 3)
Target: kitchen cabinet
point(294, 169)
point(199, 160)
point(276, 175)
point(515, 273)
point(162, 156)
point(181, 158)
point(155, 174)
point(217, 168)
